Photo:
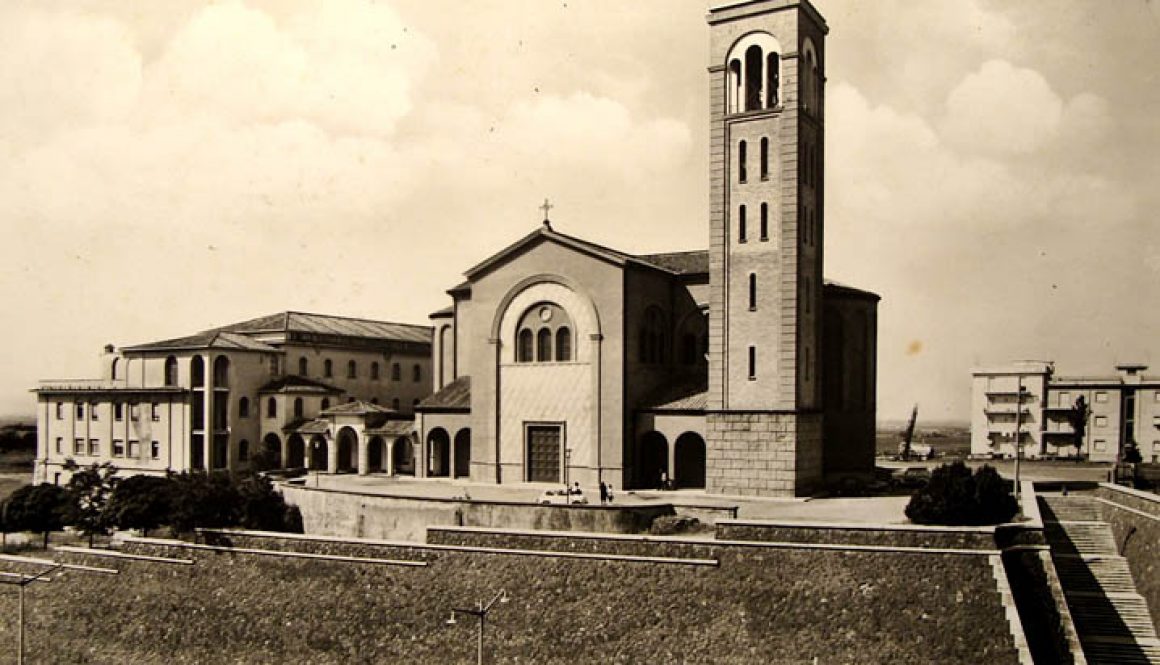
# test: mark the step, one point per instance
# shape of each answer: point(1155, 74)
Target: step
point(1071, 508)
point(1099, 651)
point(1099, 573)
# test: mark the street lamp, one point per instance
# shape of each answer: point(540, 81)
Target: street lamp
point(1018, 434)
point(314, 447)
point(480, 612)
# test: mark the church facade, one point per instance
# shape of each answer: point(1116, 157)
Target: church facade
point(737, 369)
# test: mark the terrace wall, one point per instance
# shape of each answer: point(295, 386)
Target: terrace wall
point(1137, 513)
point(353, 515)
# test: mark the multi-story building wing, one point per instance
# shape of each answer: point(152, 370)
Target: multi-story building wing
point(217, 399)
point(1121, 409)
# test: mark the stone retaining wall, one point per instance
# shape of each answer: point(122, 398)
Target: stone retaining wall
point(1134, 516)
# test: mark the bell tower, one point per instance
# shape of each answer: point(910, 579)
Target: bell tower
point(765, 248)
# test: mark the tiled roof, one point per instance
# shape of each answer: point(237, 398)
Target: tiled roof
point(210, 339)
point(393, 428)
point(333, 325)
point(317, 426)
point(683, 263)
point(689, 394)
point(455, 395)
point(295, 383)
point(355, 408)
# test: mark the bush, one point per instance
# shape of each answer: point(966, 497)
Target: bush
point(668, 525)
point(42, 508)
point(262, 508)
point(203, 500)
point(955, 497)
point(141, 502)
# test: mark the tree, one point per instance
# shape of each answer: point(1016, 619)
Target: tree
point(89, 490)
point(955, 497)
point(1078, 417)
point(202, 500)
point(141, 502)
point(263, 508)
point(4, 525)
point(41, 508)
point(1132, 453)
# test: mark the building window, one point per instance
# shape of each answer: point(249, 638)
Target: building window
point(395, 404)
point(244, 407)
point(134, 449)
point(79, 447)
point(764, 221)
point(221, 372)
point(94, 412)
point(271, 408)
point(297, 407)
point(374, 371)
point(563, 345)
point(1065, 399)
point(753, 78)
point(171, 371)
point(197, 372)
point(59, 445)
point(742, 170)
point(94, 447)
point(134, 412)
point(327, 368)
point(80, 411)
point(274, 369)
point(351, 370)
point(396, 372)
point(325, 404)
point(1101, 445)
point(524, 346)
point(741, 224)
point(1156, 396)
point(772, 79)
point(764, 158)
point(752, 363)
point(544, 345)
point(60, 410)
point(303, 367)
point(752, 292)
point(118, 411)
point(154, 411)
point(155, 450)
point(243, 450)
point(1101, 397)
point(417, 373)
point(1101, 421)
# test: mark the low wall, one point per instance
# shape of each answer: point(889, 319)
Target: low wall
point(901, 535)
point(1134, 516)
point(348, 514)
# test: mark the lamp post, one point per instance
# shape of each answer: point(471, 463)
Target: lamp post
point(480, 612)
point(1018, 434)
point(314, 447)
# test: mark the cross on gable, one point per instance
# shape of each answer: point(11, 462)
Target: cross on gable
point(546, 207)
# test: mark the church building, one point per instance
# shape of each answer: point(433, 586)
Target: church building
point(737, 369)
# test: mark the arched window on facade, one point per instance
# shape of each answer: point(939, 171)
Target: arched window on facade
point(327, 368)
point(765, 221)
point(114, 367)
point(303, 367)
point(221, 372)
point(297, 407)
point(524, 346)
point(741, 222)
point(752, 362)
point(544, 345)
point(244, 407)
point(197, 372)
point(272, 408)
point(753, 78)
point(772, 79)
point(764, 158)
point(752, 291)
point(563, 345)
point(374, 371)
point(325, 404)
point(734, 85)
point(742, 163)
point(396, 372)
point(171, 371)
point(351, 370)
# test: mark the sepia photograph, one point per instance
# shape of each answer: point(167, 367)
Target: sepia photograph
point(794, 332)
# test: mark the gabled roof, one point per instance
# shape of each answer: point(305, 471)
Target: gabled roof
point(392, 428)
point(332, 325)
point(210, 339)
point(693, 262)
point(835, 288)
point(292, 383)
point(546, 232)
point(455, 396)
point(355, 408)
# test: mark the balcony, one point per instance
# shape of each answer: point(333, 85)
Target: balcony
point(98, 385)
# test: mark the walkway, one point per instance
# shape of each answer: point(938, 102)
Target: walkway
point(1112, 619)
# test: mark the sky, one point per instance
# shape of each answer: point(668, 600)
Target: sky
point(171, 166)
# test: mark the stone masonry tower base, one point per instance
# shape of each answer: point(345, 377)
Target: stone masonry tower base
point(763, 454)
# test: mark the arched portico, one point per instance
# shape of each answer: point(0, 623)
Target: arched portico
point(463, 453)
point(375, 455)
point(439, 453)
point(319, 453)
point(348, 440)
point(272, 450)
point(403, 456)
point(653, 460)
point(689, 462)
point(295, 452)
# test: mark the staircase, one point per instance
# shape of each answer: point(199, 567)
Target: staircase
point(1111, 618)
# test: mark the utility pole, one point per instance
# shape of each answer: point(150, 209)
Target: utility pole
point(23, 581)
point(1018, 434)
point(480, 612)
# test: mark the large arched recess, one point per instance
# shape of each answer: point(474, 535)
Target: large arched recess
point(689, 461)
point(560, 290)
point(653, 460)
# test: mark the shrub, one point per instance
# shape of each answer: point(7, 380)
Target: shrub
point(202, 500)
point(262, 508)
point(41, 508)
point(141, 502)
point(668, 525)
point(955, 497)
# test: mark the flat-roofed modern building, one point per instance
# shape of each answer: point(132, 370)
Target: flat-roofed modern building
point(1124, 407)
point(214, 400)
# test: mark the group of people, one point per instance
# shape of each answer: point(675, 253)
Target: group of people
point(605, 493)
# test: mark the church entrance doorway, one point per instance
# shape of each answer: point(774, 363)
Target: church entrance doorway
point(690, 461)
point(543, 453)
point(463, 453)
point(654, 460)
